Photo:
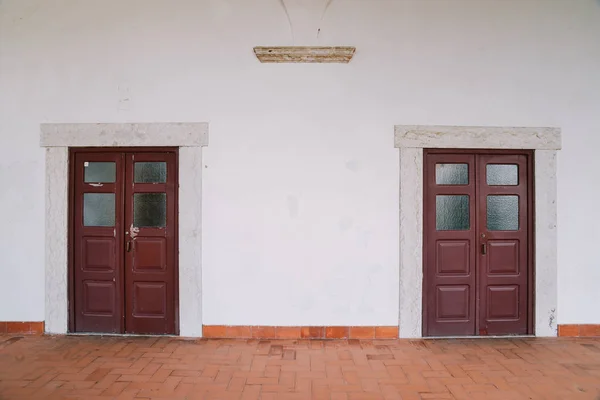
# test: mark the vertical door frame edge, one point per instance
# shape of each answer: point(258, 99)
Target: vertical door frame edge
point(57, 139)
point(412, 140)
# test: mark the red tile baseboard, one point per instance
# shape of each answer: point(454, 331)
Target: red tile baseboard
point(300, 332)
point(22, 328)
point(579, 330)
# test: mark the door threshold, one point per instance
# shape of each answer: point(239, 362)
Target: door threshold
point(481, 337)
point(121, 335)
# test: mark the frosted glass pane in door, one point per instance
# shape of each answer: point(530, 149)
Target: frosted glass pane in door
point(502, 174)
point(150, 172)
point(149, 210)
point(99, 172)
point(99, 209)
point(503, 213)
point(452, 213)
point(452, 174)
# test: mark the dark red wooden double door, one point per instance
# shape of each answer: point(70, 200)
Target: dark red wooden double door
point(477, 244)
point(123, 242)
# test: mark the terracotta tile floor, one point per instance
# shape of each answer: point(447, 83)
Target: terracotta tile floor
point(169, 368)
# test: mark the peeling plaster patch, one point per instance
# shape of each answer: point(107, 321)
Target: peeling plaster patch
point(124, 98)
point(552, 318)
point(364, 237)
point(353, 165)
point(28, 13)
point(292, 205)
point(133, 231)
point(345, 223)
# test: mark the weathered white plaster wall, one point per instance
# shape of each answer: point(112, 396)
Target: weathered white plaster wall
point(301, 179)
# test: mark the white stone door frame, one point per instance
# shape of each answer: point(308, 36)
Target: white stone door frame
point(189, 138)
point(411, 140)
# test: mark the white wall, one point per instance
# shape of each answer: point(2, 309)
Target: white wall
point(301, 178)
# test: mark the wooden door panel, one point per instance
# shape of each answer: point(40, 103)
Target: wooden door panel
point(150, 264)
point(97, 265)
point(98, 254)
point(453, 303)
point(503, 303)
point(150, 254)
point(149, 301)
point(452, 258)
point(503, 257)
point(503, 278)
point(99, 298)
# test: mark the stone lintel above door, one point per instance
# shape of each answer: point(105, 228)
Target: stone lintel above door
point(476, 137)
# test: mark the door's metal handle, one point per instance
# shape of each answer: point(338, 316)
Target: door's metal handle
point(484, 249)
point(128, 246)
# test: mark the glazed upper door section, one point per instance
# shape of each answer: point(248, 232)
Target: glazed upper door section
point(98, 243)
point(476, 244)
point(503, 231)
point(450, 224)
point(150, 245)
